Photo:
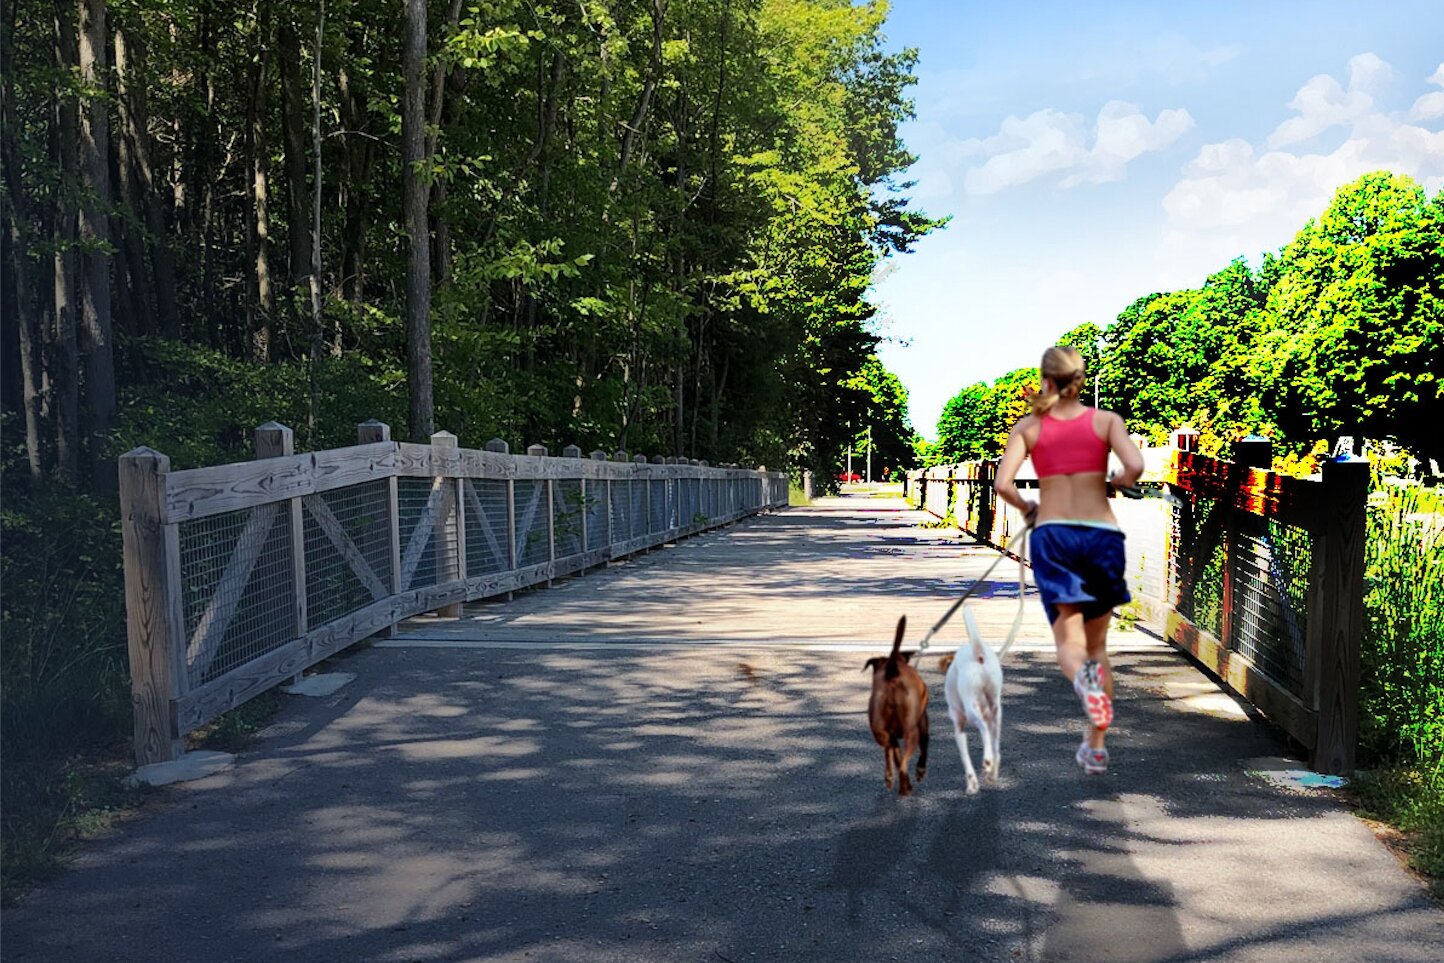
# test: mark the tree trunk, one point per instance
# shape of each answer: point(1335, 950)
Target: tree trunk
point(359, 153)
point(136, 122)
point(437, 214)
point(414, 198)
point(95, 235)
point(293, 125)
point(644, 101)
point(17, 302)
point(258, 220)
point(64, 363)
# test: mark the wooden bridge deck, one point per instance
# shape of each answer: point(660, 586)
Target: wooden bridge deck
point(668, 760)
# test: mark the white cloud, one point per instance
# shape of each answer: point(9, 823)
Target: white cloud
point(1237, 199)
point(1052, 142)
point(1430, 105)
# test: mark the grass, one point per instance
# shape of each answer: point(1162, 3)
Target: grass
point(796, 498)
point(1401, 704)
point(1411, 803)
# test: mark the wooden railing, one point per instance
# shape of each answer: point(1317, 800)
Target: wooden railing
point(1258, 576)
point(240, 576)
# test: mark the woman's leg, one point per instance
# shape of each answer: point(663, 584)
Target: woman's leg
point(1070, 640)
point(1095, 632)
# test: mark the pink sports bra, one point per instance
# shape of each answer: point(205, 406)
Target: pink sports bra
point(1066, 447)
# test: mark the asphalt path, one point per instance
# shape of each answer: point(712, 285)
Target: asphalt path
point(612, 786)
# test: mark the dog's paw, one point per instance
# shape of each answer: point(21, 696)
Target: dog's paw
point(972, 785)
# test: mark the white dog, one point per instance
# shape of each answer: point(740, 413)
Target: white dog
point(974, 689)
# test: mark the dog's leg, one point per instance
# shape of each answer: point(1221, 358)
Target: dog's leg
point(889, 753)
point(910, 746)
point(998, 739)
point(986, 727)
point(922, 747)
point(962, 739)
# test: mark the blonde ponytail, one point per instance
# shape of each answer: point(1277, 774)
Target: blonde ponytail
point(1063, 366)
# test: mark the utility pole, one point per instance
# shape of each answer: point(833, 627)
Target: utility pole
point(848, 476)
point(869, 456)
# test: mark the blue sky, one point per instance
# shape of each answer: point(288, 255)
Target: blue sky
point(1092, 153)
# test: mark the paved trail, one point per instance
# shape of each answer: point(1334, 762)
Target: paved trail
point(670, 760)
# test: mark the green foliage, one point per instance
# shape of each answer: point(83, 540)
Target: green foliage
point(1341, 332)
point(1402, 691)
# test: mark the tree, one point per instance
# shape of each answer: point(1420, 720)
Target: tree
point(415, 193)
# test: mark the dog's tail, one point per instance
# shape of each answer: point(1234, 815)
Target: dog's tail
point(893, 658)
point(975, 638)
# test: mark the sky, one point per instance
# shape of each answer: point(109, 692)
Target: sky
point(1093, 153)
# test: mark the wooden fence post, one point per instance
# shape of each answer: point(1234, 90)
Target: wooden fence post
point(540, 451)
point(449, 564)
point(370, 433)
point(274, 440)
point(155, 624)
point(1340, 612)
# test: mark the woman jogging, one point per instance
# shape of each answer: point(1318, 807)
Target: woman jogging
point(1077, 546)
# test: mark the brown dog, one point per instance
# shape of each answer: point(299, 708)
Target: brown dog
point(898, 713)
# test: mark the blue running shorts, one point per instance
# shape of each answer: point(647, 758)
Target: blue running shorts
point(1079, 565)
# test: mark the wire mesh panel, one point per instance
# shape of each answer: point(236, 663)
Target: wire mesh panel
point(238, 588)
point(532, 543)
point(348, 550)
point(658, 505)
point(486, 526)
point(567, 516)
point(427, 525)
point(621, 510)
point(1198, 560)
point(1270, 590)
point(638, 514)
point(594, 504)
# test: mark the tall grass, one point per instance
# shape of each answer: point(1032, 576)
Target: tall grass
point(1401, 703)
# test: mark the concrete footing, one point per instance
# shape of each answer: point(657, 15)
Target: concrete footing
point(192, 765)
point(320, 684)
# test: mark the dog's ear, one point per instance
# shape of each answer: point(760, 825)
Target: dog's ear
point(907, 657)
point(872, 663)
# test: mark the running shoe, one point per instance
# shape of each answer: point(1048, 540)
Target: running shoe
point(1093, 761)
point(1088, 683)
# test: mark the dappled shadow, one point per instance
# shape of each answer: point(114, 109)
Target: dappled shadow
point(461, 805)
point(693, 804)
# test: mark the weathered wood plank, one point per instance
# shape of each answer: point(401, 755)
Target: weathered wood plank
point(199, 492)
point(1257, 491)
point(1341, 615)
point(153, 632)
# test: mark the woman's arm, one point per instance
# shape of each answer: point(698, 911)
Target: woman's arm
point(1126, 451)
point(1008, 466)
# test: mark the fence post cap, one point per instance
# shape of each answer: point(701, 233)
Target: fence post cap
point(702, 462)
point(274, 439)
point(497, 445)
point(572, 451)
point(658, 460)
point(621, 455)
point(443, 439)
point(640, 459)
point(537, 450)
point(598, 455)
point(373, 430)
point(142, 452)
